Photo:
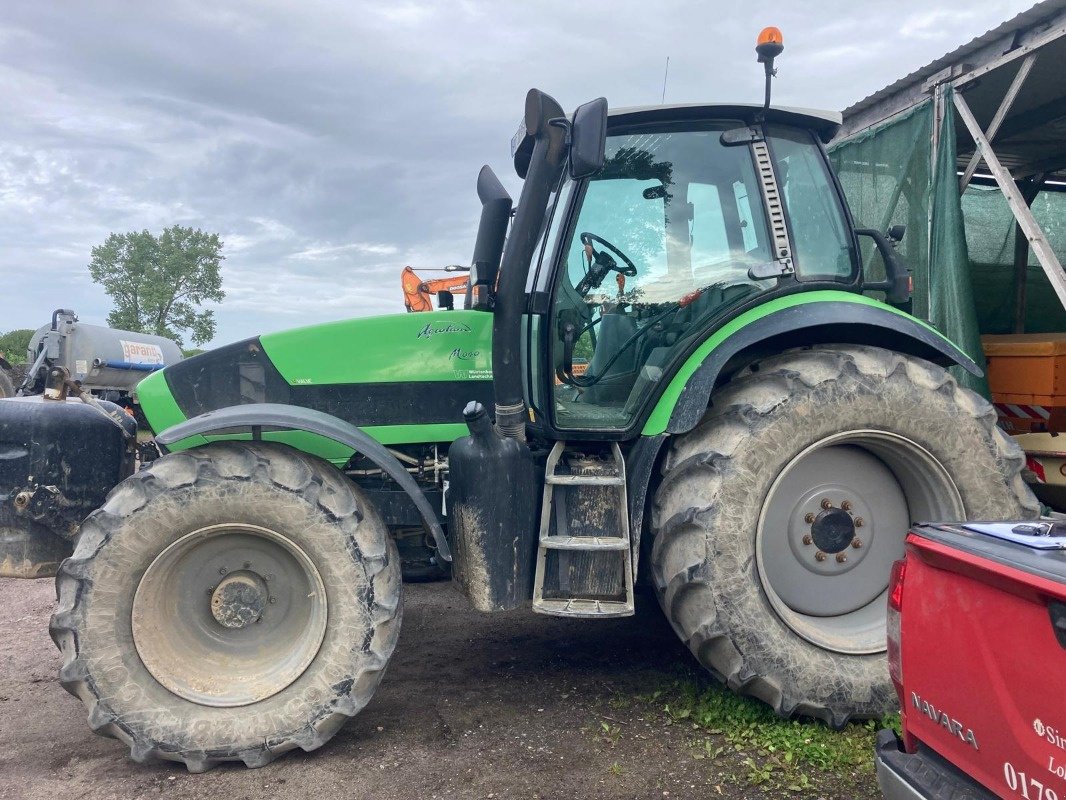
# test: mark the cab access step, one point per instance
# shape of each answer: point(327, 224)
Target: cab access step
point(585, 555)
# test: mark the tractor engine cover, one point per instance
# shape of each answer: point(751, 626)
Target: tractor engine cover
point(58, 461)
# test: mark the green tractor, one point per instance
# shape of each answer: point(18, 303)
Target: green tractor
point(669, 369)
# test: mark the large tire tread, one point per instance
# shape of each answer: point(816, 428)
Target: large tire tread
point(694, 467)
point(306, 477)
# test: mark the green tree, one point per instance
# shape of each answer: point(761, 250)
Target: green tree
point(13, 345)
point(157, 283)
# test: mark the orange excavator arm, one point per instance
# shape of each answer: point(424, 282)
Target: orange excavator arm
point(417, 293)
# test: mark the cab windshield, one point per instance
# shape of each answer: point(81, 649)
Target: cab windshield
point(663, 243)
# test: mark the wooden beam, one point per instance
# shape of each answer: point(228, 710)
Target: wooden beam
point(1001, 113)
point(1029, 191)
point(1038, 41)
point(1022, 213)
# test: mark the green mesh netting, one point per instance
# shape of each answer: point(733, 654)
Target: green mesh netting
point(885, 173)
point(889, 176)
point(951, 295)
point(990, 233)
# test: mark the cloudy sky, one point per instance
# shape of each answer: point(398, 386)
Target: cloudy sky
point(331, 143)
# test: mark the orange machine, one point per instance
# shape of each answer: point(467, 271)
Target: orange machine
point(417, 293)
point(1027, 375)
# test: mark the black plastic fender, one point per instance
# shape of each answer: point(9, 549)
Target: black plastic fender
point(826, 322)
point(278, 415)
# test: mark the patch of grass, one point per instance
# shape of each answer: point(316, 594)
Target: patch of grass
point(609, 733)
point(782, 754)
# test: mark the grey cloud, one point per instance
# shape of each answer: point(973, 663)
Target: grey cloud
point(330, 143)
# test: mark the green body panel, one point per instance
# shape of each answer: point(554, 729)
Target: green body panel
point(432, 346)
point(660, 415)
point(159, 408)
point(330, 450)
point(441, 346)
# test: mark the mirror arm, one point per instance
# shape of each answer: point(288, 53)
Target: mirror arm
point(898, 284)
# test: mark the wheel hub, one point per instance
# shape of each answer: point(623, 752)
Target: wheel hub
point(833, 522)
point(229, 615)
point(833, 530)
point(239, 599)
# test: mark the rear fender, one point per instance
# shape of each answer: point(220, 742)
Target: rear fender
point(285, 417)
point(685, 400)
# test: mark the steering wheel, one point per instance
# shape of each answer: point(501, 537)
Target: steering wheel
point(588, 238)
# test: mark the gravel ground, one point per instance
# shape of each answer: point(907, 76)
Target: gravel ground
point(472, 706)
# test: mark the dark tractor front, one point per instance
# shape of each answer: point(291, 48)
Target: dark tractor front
point(673, 371)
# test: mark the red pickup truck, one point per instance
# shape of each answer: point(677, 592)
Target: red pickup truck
point(977, 652)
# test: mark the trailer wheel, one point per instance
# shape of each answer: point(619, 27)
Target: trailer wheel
point(779, 516)
point(228, 603)
point(7, 388)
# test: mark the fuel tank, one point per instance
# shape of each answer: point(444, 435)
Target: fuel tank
point(492, 515)
point(58, 461)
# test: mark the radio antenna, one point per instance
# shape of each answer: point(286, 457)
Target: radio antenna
point(666, 74)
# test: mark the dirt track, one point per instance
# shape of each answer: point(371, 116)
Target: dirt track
point(472, 706)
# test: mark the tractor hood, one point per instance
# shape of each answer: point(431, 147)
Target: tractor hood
point(402, 377)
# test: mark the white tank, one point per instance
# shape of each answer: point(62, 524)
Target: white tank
point(103, 359)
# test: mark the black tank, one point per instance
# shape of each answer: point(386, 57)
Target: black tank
point(492, 496)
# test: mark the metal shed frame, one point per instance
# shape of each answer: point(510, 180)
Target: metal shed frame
point(1019, 59)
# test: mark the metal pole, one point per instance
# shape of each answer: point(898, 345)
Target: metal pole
point(1001, 113)
point(1024, 216)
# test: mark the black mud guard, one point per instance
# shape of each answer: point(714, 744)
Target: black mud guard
point(279, 415)
point(829, 322)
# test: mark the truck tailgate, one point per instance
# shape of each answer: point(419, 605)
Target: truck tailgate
point(985, 671)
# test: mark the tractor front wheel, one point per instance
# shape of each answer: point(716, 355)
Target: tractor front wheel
point(779, 516)
point(229, 603)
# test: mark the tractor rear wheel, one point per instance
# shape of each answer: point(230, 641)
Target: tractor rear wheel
point(779, 516)
point(228, 603)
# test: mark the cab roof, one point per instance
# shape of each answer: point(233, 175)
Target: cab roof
point(824, 123)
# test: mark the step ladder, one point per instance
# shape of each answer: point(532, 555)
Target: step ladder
point(612, 537)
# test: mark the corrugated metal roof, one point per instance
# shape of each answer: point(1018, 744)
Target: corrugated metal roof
point(1029, 18)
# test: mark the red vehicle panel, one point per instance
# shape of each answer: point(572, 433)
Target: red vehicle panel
point(979, 657)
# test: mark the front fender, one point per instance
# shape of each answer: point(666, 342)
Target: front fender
point(276, 415)
point(795, 321)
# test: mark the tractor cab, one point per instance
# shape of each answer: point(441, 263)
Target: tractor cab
point(697, 213)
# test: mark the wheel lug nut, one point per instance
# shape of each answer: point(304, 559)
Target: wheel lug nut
point(808, 539)
point(859, 522)
point(856, 542)
point(273, 599)
point(826, 503)
point(846, 505)
point(809, 519)
point(221, 570)
point(247, 564)
point(841, 558)
point(819, 556)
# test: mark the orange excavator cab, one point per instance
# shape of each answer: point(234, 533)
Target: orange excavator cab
point(417, 293)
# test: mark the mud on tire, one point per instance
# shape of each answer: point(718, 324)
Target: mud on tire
point(305, 502)
point(709, 510)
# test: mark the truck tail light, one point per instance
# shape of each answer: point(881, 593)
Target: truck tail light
point(895, 605)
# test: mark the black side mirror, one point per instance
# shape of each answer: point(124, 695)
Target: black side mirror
point(445, 301)
point(588, 139)
point(895, 233)
point(898, 283)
